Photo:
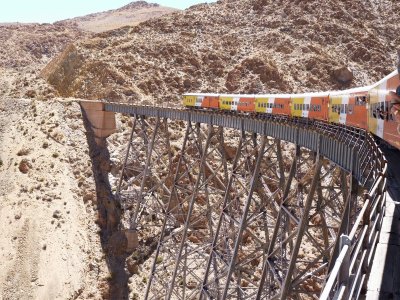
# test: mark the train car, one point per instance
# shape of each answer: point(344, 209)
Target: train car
point(311, 105)
point(210, 101)
point(242, 103)
point(381, 121)
point(368, 107)
point(273, 104)
point(349, 107)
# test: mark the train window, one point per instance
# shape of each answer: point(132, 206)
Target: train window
point(361, 100)
point(380, 111)
point(350, 109)
point(307, 106)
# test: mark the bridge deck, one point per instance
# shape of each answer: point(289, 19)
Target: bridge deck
point(384, 281)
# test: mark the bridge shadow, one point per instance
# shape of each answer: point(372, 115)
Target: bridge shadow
point(113, 242)
point(384, 281)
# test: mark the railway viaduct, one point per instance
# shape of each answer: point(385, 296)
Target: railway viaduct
point(247, 208)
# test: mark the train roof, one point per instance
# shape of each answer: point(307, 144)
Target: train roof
point(394, 73)
point(351, 91)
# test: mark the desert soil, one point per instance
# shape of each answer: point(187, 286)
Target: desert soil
point(50, 246)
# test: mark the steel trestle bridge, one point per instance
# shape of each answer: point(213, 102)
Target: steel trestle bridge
point(246, 207)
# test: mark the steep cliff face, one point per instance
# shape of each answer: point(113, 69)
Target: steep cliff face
point(248, 46)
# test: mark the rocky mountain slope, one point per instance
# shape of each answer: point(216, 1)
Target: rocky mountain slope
point(246, 46)
point(130, 14)
point(28, 48)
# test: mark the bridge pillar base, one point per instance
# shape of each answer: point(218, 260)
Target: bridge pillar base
point(102, 122)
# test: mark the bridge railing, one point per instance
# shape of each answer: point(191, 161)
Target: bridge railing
point(350, 272)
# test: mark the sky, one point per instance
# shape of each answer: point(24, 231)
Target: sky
point(48, 11)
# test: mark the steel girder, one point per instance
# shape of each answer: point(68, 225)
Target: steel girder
point(249, 217)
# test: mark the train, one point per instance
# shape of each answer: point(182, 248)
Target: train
point(369, 107)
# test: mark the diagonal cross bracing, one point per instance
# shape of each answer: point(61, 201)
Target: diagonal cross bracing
point(235, 214)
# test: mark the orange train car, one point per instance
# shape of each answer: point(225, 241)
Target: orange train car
point(349, 107)
point(242, 103)
point(381, 121)
point(311, 105)
point(273, 104)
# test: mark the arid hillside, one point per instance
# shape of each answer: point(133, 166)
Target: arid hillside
point(25, 50)
point(246, 46)
point(28, 48)
point(53, 243)
point(33, 44)
point(131, 14)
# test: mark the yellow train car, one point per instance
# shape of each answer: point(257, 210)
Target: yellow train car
point(201, 100)
point(189, 100)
